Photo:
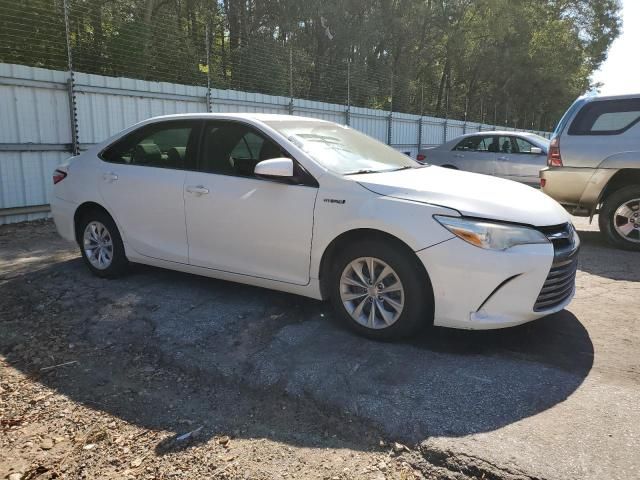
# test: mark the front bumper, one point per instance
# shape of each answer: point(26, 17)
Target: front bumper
point(480, 289)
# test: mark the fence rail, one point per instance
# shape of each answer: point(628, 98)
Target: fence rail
point(45, 119)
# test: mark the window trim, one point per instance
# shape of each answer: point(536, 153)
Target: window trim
point(573, 128)
point(308, 179)
point(192, 143)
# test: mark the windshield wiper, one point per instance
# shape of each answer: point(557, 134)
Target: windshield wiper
point(358, 172)
point(401, 168)
point(365, 170)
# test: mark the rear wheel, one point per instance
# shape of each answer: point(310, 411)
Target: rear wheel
point(380, 292)
point(101, 245)
point(620, 218)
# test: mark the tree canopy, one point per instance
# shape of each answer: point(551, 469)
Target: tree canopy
point(519, 62)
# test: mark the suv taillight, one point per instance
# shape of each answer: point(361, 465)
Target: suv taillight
point(58, 176)
point(554, 159)
point(420, 157)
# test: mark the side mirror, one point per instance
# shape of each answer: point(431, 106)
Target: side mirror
point(536, 150)
point(275, 168)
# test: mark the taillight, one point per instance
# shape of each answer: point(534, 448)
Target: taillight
point(58, 176)
point(421, 157)
point(543, 182)
point(554, 159)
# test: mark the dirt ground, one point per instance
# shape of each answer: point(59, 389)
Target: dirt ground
point(163, 375)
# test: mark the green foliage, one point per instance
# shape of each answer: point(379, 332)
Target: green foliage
point(515, 61)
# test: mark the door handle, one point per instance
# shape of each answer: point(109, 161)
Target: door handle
point(197, 190)
point(504, 159)
point(109, 177)
point(459, 155)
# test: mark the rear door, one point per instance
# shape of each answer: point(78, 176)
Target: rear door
point(142, 179)
point(474, 154)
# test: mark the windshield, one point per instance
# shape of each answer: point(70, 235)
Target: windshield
point(538, 139)
point(341, 149)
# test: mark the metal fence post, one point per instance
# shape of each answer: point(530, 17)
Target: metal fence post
point(290, 79)
point(420, 119)
point(446, 114)
point(73, 108)
point(466, 109)
point(390, 118)
point(208, 50)
point(347, 113)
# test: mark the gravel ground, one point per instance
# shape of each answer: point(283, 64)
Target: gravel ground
point(167, 375)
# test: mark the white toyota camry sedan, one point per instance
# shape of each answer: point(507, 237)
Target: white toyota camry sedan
point(318, 209)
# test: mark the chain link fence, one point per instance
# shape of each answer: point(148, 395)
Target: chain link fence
point(189, 43)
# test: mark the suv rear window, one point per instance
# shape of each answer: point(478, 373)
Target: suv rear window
point(606, 117)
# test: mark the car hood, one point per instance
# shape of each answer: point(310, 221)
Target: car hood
point(471, 194)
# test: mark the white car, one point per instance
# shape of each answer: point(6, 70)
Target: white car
point(318, 209)
point(517, 156)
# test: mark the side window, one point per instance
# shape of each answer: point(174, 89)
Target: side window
point(523, 145)
point(163, 145)
point(485, 144)
point(505, 145)
point(248, 147)
point(468, 144)
point(234, 149)
point(606, 117)
point(474, 144)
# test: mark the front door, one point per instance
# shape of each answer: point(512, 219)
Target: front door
point(142, 180)
point(517, 162)
point(475, 154)
point(239, 223)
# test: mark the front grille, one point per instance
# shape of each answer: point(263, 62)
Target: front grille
point(561, 280)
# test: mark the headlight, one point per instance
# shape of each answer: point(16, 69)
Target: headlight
point(489, 235)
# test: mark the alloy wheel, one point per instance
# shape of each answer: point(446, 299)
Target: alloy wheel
point(98, 245)
point(372, 293)
point(626, 220)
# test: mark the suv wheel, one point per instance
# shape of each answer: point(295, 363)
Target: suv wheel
point(101, 245)
point(620, 218)
point(380, 292)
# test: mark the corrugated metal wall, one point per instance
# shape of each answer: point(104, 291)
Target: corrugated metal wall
point(36, 133)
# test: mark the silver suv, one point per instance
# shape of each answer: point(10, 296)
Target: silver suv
point(593, 165)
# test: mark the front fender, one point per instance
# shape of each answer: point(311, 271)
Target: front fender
point(410, 222)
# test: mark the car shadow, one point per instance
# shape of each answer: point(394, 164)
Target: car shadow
point(175, 352)
point(598, 257)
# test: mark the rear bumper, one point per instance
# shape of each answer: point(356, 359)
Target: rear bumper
point(577, 189)
point(63, 213)
point(480, 289)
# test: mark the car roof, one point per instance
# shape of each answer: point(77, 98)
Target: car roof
point(499, 132)
point(261, 117)
point(597, 98)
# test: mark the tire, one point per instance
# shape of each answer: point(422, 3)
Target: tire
point(416, 295)
point(105, 229)
point(612, 218)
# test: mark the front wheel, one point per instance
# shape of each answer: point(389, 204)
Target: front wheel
point(380, 292)
point(620, 218)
